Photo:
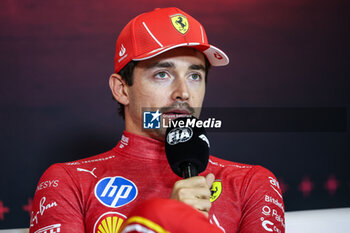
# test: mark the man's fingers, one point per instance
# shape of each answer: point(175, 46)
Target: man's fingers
point(196, 181)
point(199, 204)
point(194, 191)
point(210, 179)
point(199, 193)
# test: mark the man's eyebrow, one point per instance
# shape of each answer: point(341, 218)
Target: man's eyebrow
point(161, 65)
point(197, 67)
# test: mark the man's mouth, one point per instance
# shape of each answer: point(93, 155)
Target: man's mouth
point(176, 110)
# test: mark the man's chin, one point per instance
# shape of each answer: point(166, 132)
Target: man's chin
point(158, 134)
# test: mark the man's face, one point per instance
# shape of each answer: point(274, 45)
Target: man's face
point(173, 82)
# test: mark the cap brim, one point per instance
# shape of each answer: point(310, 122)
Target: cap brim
point(215, 56)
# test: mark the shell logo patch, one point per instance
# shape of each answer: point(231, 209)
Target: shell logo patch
point(109, 222)
point(215, 190)
point(180, 23)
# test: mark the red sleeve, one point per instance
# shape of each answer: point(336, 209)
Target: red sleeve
point(263, 208)
point(57, 205)
point(166, 215)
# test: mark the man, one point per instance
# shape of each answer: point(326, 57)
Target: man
point(162, 61)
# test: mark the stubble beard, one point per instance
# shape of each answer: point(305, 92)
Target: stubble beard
point(160, 134)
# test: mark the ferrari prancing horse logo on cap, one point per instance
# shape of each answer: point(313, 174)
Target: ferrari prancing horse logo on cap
point(180, 23)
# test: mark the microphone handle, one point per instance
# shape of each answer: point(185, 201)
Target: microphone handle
point(188, 170)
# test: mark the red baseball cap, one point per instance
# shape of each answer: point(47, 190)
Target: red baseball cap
point(161, 30)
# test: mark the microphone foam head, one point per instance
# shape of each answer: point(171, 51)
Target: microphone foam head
point(186, 143)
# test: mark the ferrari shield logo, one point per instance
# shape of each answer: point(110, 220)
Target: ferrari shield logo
point(215, 190)
point(180, 23)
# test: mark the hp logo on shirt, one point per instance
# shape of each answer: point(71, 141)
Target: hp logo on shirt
point(115, 191)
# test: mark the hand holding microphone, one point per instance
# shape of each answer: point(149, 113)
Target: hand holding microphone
point(187, 151)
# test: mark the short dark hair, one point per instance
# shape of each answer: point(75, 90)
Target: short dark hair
point(127, 73)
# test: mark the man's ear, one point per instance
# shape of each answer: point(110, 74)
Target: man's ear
point(119, 89)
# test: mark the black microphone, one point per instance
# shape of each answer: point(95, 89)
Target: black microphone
point(186, 147)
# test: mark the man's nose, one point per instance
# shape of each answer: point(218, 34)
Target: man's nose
point(180, 91)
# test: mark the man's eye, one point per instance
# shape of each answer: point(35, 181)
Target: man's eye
point(195, 76)
point(161, 75)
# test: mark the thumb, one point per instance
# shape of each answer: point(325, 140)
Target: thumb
point(210, 179)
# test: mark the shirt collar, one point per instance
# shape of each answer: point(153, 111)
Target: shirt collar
point(141, 146)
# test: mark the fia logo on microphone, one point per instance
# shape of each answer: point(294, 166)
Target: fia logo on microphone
point(179, 135)
point(151, 120)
